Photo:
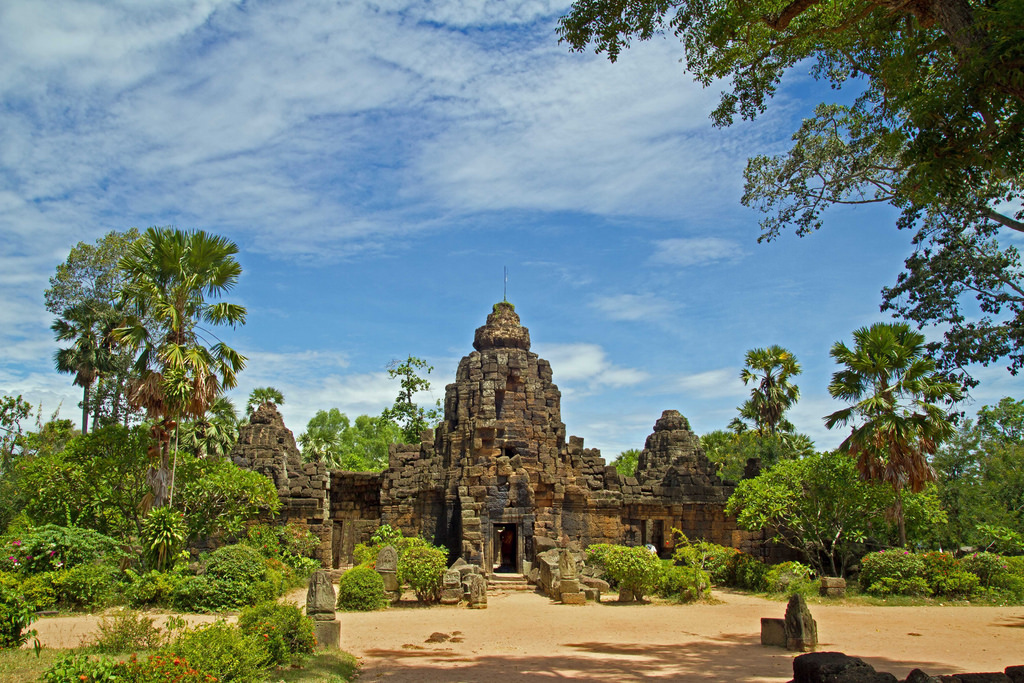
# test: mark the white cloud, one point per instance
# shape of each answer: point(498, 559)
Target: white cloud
point(695, 251)
point(632, 307)
point(723, 382)
point(588, 364)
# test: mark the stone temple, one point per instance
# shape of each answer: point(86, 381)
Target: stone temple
point(498, 482)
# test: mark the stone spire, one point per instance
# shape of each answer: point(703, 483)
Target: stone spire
point(502, 330)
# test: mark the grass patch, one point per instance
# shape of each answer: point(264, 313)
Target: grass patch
point(22, 665)
point(326, 666)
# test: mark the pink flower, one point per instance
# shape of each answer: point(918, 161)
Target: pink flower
point(17, 543)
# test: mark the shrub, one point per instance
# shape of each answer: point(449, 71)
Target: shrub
point(160, 668)
point(127, 631)
point(236, 563)
point(87, 586)
point(82, 669)
point(52, 547)
point(151, 588)
point(38, 591)
point(163, 532)
point(634, 569)
point(946, 577)
point(422, 567)
point(298, 541)
point(15, 617)
point(747, 572)
point(711, 557)
point(223, 651)
point(234, 576)
point(991, 569)
point(361, 589)
point(263, 538)
point(284, 629)
point(894, 571)
point(685, 584)
point(790, 578)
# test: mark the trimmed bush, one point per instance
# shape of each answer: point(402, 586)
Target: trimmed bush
point(711, 557)
point(234, 576)
point(160, 668)
point(893, 572)
point(422, 567)
point(38, 591)
point(15, 617)
point(361, 589)
point(747, 572)
point(685, 584)
point(991, 569)
point(87, 586)
point(151, 588)
point(223, 651)
point(284, 629)
point(634, 569)
point(790, 578)
point(946, 577)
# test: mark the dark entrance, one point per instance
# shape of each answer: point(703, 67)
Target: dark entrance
point(506, 545)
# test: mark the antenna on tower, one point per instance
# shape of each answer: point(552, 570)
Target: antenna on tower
point(504, 295)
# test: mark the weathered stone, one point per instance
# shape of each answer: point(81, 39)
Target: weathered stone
point(387, 559)
point(832, 587)
point(801, 629)
point(576, 598)
point(451, 596)
point(835, 667)
point(566, 565)
point(452, 579)
point(477, 592)
point(773, 632)
point(320, 597)
point(327, 634)
point(626, 595)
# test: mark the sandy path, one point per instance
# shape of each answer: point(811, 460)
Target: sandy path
point(524, 636)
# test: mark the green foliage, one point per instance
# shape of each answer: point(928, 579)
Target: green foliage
point(422, 567)
point(361, 589)
point(705, 555)
point(152, 588)
point(412, 419)
point(38, 591)
point(15, 618)
point(214, 433)
point(626, 461)
point(264, 539)
point(685, 584)
point(13, 412)
point(87, 586)
point(285, 631)
point(730, 450)
point(747, 572)
point(790, 578)
point(163, 532)
point(233, 576)
point(127, 631)
point(359, 447)
point(991, 569)
point(895, 571)
point(79, 668)
point(223, 651)
point(634, 569)
point(217, 496)
point(96, 482)
point(51, 547)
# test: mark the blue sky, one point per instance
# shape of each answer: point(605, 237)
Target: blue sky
point(380, 163)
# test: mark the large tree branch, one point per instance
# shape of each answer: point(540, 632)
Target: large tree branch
point(1005, 221)
point(791, 12)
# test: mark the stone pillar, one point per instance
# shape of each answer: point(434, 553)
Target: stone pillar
point(387, 567)
point(320, 602)
point(801, 629)
point(477, 592)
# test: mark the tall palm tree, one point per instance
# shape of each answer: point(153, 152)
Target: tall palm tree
point(182, 366)
point(894, 389)
point(90, 354)
point(214, 434)
point(770, 369)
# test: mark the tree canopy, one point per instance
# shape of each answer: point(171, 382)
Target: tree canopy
point(412, 418)
point(934, 129)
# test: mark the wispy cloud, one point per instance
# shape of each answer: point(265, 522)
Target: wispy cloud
point(633, 307)
point(722, 382)
point(695, 251)
point(588, 365)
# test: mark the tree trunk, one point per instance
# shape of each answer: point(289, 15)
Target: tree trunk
point(901, 522)
point(956, 18)
point(85, 409)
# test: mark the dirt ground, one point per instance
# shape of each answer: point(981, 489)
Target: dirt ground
point(525, 636)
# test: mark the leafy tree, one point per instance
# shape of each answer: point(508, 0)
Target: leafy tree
point(934, 131)
point(169, 274)
point(894, 389)
point(217, 497)
point(626, 461)
point(13, 411)
point(361, 447)
point(819, 506)
point(261, 395)
point(412, 418)
point(770, 370)
point(213, 434)
point(731, 450)
point(88, 284)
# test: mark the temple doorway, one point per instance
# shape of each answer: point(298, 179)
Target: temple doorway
point(506, 545)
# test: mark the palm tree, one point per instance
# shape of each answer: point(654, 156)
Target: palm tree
point(894, 389)
point(213, 434)
point(773, 394)
point(182, 367)
point(90, 354)
point(261, 395)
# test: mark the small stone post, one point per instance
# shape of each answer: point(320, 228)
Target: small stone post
point(477, 592)
point(387, 567)
point(801, 629)
point(320, 602)
point(568, 582)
